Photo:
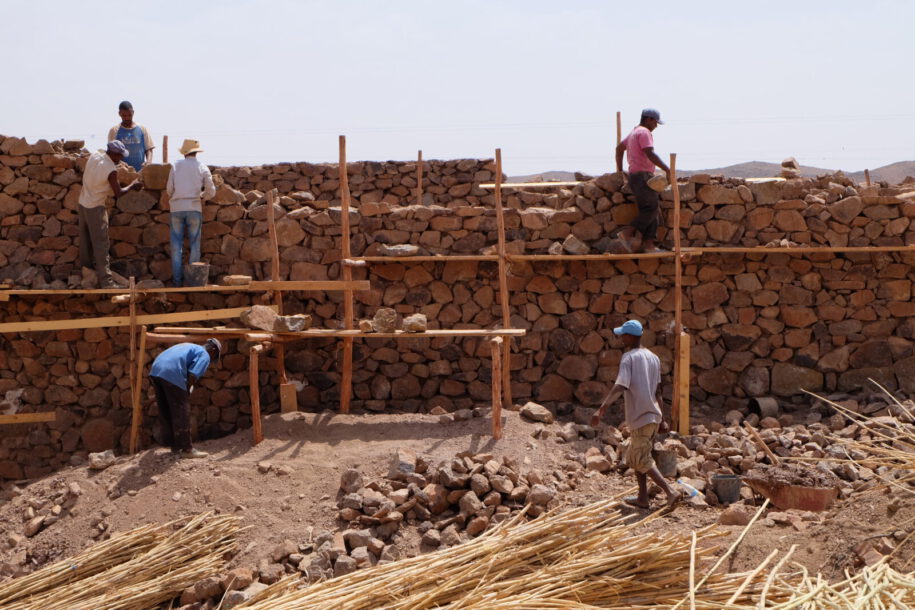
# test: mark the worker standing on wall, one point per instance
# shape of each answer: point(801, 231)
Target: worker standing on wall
point(173, 375)
point(190, 183)
point(639, 383)
point(639, 149)
point(135, 137)
point(100, 179)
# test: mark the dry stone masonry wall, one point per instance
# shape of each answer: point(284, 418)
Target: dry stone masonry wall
point(763, 323)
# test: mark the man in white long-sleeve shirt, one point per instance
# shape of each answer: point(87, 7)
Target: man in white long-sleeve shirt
point(189, 185)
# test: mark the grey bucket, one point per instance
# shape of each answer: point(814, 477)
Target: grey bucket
point(667, 462)
point(726, 487)
point(764, 407)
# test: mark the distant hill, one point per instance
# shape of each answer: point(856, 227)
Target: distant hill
point(893, 173)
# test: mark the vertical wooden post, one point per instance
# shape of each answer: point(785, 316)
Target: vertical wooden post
point(137, 416)
point(419, 178)
point(254, 389)
point(164, 149)
point(495, 345)
point(287, 390)
point(867, 177)
point(133, 336)
point(503, 283)
point(619, 128)
point(346, 383)
point(680, 398)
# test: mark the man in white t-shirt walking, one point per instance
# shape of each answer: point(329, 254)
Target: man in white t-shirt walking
point(639, 382)
point(190, 183)
point(100, 179)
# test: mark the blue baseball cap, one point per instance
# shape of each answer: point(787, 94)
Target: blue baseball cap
point(651, 113)
point(116, 147)
point(629, 327)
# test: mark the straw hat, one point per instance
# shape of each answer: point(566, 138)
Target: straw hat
point(190, 146)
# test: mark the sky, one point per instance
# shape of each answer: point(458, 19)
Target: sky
point(828, 82)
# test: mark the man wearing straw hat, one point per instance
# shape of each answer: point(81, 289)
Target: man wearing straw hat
point(189, 184)
point(639, 149)
point(639, 382)
point(173, 375)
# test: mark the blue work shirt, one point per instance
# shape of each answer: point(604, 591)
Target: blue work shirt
point(174, 364)
point(135, 142)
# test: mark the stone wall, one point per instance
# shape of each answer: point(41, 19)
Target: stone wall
point(763, 324)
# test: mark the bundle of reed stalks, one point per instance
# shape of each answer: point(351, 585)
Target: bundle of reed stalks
point(137, 570)
point(580, 557)
point(878, 587)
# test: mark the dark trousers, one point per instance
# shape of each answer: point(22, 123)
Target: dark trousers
point(174, 414)
point(648, 201)
point(93, 241)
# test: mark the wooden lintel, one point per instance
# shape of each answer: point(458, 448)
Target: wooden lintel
point(115, 321)
point(28, 418)
point(512, 185)
point(339, 332)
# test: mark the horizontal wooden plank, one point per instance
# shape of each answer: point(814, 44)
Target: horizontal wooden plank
point(258, 286)
point(514, 185)
point(28, 418)
point(797, 249)
point(113, 321)
point(586, 257)
point(339, 332)
point(428, 258)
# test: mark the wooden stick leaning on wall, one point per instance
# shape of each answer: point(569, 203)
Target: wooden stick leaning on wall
point(164, 150)
point(287, 390)
point(680, 398)
point(254, 389)
point(132, 305)
point(419, 178)
point(346, 383)
point(495, 345)
point(137, 404)
point(503, 284)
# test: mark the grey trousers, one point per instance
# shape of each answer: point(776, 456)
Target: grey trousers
point(93, 241)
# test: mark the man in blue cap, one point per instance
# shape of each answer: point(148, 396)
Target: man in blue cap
point(639, 149)
point(173, 375)
point(100, 179)
point(639, 382)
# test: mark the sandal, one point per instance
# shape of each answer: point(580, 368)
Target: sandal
point(634, 502)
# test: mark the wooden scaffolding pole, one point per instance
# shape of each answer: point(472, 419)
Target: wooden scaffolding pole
point(132, 304)
point(419, 178)
point(346, 384)
point(164, 149)
point(619, 128)
point(254, 389)
point(867, 177)
point(495, 345)
point(287, 390)
point(680, 399)
point(503, 284)
point(137, 404)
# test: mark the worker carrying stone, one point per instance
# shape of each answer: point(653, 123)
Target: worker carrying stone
point(190, 183)
point(100, 179)
point(639, 149)
point(135, 137)
point(639, 382)
point(173, 375)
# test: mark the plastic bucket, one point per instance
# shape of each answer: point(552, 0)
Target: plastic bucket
point(667, 462)
point(726, 487)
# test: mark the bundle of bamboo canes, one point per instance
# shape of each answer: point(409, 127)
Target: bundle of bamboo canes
point(137, 570)
point(580, 557)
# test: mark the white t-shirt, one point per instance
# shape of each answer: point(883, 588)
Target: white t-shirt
point(96, 188)
point(640, 374)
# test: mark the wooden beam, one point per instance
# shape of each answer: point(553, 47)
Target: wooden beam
point(28, 418)
point(798, 250)
point(160, 338)
point(515, 185)
point(254, 389)
point(258, 286)
point(867, 177)
point(428, 258)
point(288, 401)
point(132, 304)
point(495, 345)
point(619, 127)
point(353, 333)
point(419, 178)
point(164, 149)
point(676, 402)
point(280, 349)
point(503, 282)
point(117, 321)
point(136, 399)
point(681, 385)
point(346, 382)
point(587, 257)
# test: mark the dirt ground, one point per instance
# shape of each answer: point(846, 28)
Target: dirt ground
point(296, 498)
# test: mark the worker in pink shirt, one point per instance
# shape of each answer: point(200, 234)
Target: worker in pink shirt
point(639, 149)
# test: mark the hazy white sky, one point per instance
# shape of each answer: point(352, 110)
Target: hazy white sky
point(829, 82)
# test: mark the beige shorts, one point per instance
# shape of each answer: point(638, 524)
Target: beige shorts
point(641, 441)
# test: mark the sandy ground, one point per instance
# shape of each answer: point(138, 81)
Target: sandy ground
point(314, 449)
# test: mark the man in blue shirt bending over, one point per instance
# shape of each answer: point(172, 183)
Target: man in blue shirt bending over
point(173, 375)
point(135, 137)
